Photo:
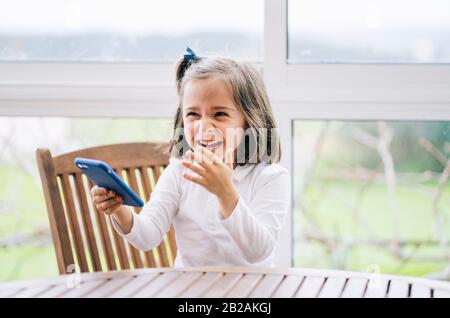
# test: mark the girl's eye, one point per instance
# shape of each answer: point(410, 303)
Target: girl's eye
point(191, 114)
point(221, 114)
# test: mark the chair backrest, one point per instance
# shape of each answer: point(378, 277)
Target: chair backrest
point(84, 236)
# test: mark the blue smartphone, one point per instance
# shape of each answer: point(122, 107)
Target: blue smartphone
point(104, 176)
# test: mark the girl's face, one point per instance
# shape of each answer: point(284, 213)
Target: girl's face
point(211, 119)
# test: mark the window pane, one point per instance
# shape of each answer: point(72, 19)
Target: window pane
point(26, 249)
point(131, 30)
point(372, 195)
point(369, 31)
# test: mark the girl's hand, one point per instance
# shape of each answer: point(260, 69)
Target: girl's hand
point(214, 176)
point(105, 201)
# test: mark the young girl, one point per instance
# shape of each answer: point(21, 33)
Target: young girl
point(223, 189)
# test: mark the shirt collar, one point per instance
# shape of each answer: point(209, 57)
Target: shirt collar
point(240, 172)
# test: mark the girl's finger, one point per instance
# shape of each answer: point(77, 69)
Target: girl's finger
point(199, 158)
point(199, 181)
point(99, 198)
point(229, 158)
point(208, 154)
point(96, 190)
point(108, 203)
point(113, 208)
point(196, 169)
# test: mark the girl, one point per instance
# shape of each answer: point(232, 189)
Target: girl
point(223, 189)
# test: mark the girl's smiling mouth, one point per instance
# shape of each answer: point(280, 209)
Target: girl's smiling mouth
point(209, 144)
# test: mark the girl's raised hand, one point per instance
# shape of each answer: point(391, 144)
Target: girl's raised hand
point(213, 175)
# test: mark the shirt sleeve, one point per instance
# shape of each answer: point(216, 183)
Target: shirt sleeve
point(255, 225)
point(150, 226)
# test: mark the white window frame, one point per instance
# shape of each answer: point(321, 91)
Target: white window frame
point(297, 91)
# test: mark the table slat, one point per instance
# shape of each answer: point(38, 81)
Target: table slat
point(420, 291)
point(223, 285)
point(438, 293)
point(376, 288)
point(7, 293)
point(155, 285)
point(245, 286)
point(267, 286)
point(333, 287)
point(288, 286)
point(31, 292)
point(134, 285)
point(54, 291)
point(201, 286)
point(354, 288)
point(310, 287)
point(398, 289)
point(84, 289)
point(179, 285)
point(228, 282)
point(109, 287)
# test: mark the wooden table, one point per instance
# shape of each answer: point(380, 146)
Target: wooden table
point(227, 282)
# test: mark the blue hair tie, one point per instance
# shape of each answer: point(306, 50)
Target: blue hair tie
point(190, 55)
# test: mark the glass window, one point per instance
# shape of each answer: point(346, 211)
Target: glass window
point(372, 196)
point(131, 30)
point(369, 31)
point(26, 249)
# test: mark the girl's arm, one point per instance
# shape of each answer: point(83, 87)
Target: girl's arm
point(255, 225)
point(124, 218)
point(146, 229)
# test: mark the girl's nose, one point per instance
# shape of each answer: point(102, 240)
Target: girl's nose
point(204, 127)
point(204, 124)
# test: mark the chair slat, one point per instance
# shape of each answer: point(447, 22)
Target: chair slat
point(55, 208)
point(87, 222)
point(119, 242)
point(131, 175)
point(146, 185)
point(104, 237)
point(150, 259)
point(162, 249)
point(73, 223)
point(135, 254)
point(172, 242)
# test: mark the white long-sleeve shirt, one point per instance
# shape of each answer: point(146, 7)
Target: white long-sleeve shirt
point(204, 238)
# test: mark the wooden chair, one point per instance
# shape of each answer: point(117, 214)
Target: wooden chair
point(82, 235)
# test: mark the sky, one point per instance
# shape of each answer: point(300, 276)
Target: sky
point(318, 15)
point(184, 16)
point(135, 16)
